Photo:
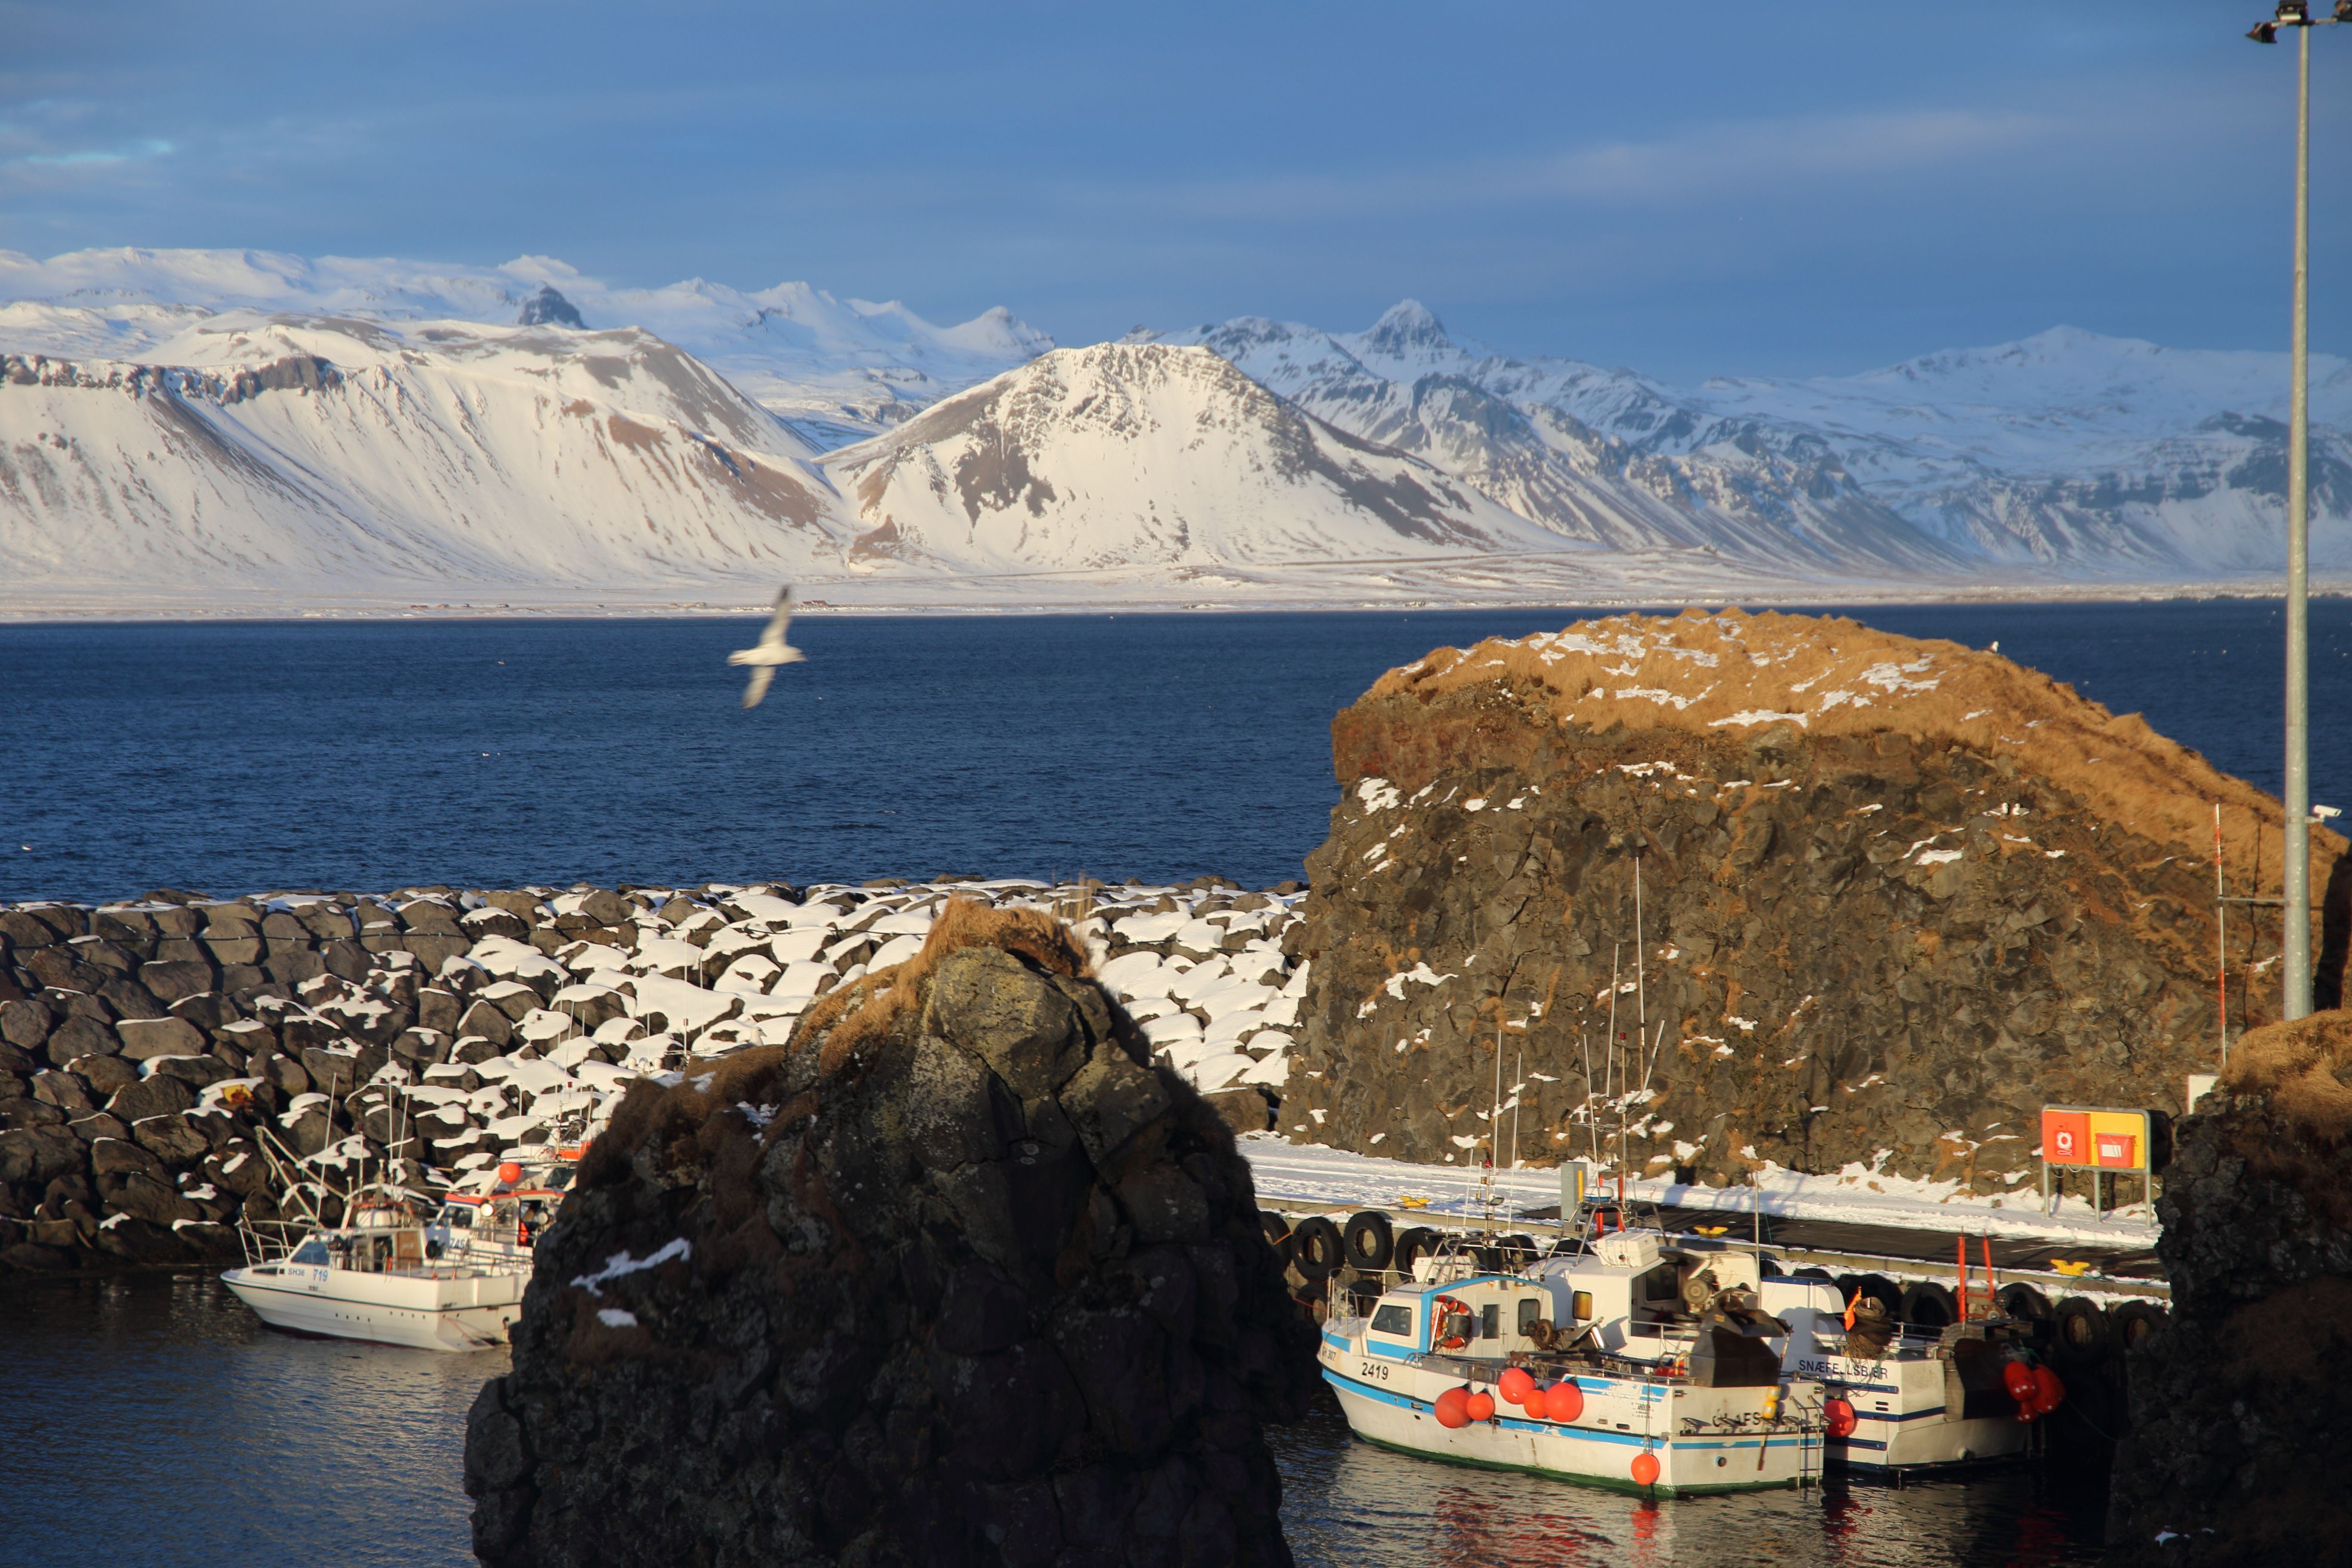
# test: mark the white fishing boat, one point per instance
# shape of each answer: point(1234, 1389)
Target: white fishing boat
point(400, 1270)
point(1690, 1370)
point(1533, 1371)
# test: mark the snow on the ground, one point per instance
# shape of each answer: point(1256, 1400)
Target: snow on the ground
point(1337, 1179)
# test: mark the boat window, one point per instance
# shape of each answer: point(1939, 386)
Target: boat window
point(1661, 1284)
point(1393, 1319)
point(1531, 1308)
point(461, 1218)
point(1581, 1305)
point(559, 1180)
point(313, 1252)
point(1490, 1321)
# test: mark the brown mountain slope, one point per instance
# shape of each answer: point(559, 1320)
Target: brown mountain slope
point(1896, 894)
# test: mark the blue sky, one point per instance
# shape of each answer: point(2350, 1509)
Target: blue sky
point(1790, 188)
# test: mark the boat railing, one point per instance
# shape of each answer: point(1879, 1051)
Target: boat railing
point(269, 1240)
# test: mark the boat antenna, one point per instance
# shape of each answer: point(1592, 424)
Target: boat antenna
point(1495, 1124)
point(2222, 931)
point(1611, 1066)
point(1641, 982)
point(1518, 1093)
point(1591, 1120)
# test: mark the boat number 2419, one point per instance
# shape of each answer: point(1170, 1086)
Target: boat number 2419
point(1373, 1370)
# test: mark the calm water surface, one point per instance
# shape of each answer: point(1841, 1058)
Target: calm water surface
point(365, 756)
point(154, 1421)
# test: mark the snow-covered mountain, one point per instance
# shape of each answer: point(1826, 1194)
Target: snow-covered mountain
point(2093, 456)
point(1405, 383)
point(840, 369)
point(333, 455)
point(1151, 454)
point(182, 427)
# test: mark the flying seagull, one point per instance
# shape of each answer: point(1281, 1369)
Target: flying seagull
point(771, 651)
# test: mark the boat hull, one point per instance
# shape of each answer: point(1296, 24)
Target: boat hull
point(1585, 1455)
point(1899, 1409)
point(425, 1311)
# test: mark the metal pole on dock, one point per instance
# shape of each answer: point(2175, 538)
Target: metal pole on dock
point(2298, 891)
point(2295, 936)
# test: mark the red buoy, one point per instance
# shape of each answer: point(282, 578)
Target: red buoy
point(1563, 1401)
point(1515, 1385)
point(1645, 1468)
point(1453, 1408)
point(1481, 1407)
point(1837, 1418)
point(2048, 1393)
point(2018, 1378)
point(509, 1173)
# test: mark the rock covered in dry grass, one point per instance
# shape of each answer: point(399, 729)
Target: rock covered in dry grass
point(955, 1277)
point(2239, 1443)
point(1897, 895)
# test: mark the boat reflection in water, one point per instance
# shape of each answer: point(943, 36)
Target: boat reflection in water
point(1345, 1504)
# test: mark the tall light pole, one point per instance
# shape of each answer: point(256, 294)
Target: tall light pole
point(2294, 937)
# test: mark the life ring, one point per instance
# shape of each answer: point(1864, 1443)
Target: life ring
point(1440, 1308)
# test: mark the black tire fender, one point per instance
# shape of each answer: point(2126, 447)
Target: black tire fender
point(1278, 1235)
point(2083, 1336)
point(1369, 1241)
point(1884, 1290)
point(1318, 1251)
point(2021, 1301)
point(2137, 1322)
point(1411, 1248)
point(1927, 1305)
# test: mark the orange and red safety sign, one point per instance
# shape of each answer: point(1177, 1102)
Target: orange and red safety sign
point(2105, 1139)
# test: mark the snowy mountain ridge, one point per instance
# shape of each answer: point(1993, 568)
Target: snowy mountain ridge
point(2093, 455)
point(182, 424)
point(841, 368)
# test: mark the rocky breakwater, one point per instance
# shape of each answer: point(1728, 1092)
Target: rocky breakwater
point(956, 1276)
point(173, 1065)
point(1895, 895)
point(2239, 1442)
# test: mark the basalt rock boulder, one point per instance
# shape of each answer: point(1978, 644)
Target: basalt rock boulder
point(2239, 1442)
point(955, 1277)
point(1893, 895)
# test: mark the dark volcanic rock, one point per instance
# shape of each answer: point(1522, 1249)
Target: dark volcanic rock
point(547, 308)
point(1897, 895)
point(2239, 1444)
point(955, 1278)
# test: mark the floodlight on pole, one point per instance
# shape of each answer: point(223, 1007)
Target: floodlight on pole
point(2295, 936)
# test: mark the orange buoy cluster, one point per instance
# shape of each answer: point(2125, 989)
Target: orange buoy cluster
point(2035, 1389)
point(1561, 1401)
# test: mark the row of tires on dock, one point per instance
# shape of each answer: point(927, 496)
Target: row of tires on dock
point(2087, 1343)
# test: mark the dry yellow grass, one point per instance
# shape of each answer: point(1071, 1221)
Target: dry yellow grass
point(1732, 673)
point(855, 1015)
point(878, 998)
point(2301, 1066)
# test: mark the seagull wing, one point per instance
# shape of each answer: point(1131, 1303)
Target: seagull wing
point(757, 687)
point(779, 623)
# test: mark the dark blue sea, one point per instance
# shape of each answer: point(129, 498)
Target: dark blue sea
point(234, 757)
point(152, 1421)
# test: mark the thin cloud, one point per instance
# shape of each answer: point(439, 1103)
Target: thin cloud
point(1753, 159)
point(136, 153)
